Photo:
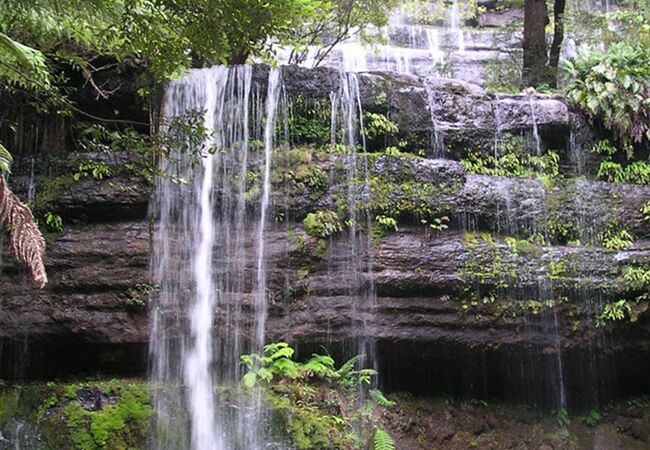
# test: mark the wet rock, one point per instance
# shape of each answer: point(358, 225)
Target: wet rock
point(90, 399)
point(500, 18)
point(90, 268)
point(606, 438)
point(465, 115)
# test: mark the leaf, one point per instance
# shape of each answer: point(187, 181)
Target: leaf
point(348, 366)
point(383, 440)
point(5, 159)
point(286, 352)
point(25, 239)
point(378, 397)
point(265, 374)
point(249, 380)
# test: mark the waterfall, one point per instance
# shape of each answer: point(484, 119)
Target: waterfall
point(356, 256)
point(456, 26)
point(272, 97)
point(204, 261)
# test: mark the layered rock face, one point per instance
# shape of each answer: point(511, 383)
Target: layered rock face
point(509, 279)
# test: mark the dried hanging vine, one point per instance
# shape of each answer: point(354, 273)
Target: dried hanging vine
point(25, 239)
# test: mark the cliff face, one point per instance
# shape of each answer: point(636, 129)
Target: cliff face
point(516, 274)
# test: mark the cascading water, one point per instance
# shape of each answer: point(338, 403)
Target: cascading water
point(203, 261)
point(355, 257)
point(437, 137)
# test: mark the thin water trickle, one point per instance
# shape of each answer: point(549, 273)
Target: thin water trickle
point(437, 138)
point(498, 129)
point(538, 143)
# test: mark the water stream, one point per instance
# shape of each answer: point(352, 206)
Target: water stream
point(201, 199)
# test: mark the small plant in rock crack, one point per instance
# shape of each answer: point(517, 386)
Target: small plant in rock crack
point(138, 295)
point(614, 311)
point(97, 169)
point(616, 239)
point(437, 223)
point(53, 222)
point(592, 418)
point(645, 210)
point(382, 225)
point(562, 417)
point(383, 440)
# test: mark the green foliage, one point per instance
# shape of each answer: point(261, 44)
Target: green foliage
point(382, 225)
point(382, 440)
point(276, 363)
point(438, 223)
point(22, 66)
point(97, 169)
point(636, 278)
point(296, 172)
point(515, 160)
point(377, 125)
point(309, 120)
point(562, 417)
point(378, 397)
point(97, 138)
point(635, 281)
point(53, 222)
point(615, 238)
point(645, 210)
point(401, 197)
point(636, 172)
point(317, 405)
point(614, 86)
point(322, 224)
point(592, 418)
point(615, 311)
point(5, 159)
point(138, 295)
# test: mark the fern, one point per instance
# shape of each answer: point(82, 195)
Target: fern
point(348, 367)
point(383, 440)
point(23, 66)
point(5, 159)
point(25, 239)
point(378, 397)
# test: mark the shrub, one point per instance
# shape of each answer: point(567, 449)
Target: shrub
point(614, 87)
point(322, 224)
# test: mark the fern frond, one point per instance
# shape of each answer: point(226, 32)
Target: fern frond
point(22, 65)
point(5, 159)
point(378, 397)
point(25, 238)
point(383, 440)
point(348, 366)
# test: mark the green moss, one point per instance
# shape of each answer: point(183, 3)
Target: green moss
point(121, 423)
point(322, 224)
point(113, 426)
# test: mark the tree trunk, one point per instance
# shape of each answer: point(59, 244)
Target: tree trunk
point(535, 71)
point(558, 37)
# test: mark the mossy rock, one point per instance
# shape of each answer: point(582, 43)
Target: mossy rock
point(110, 415)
